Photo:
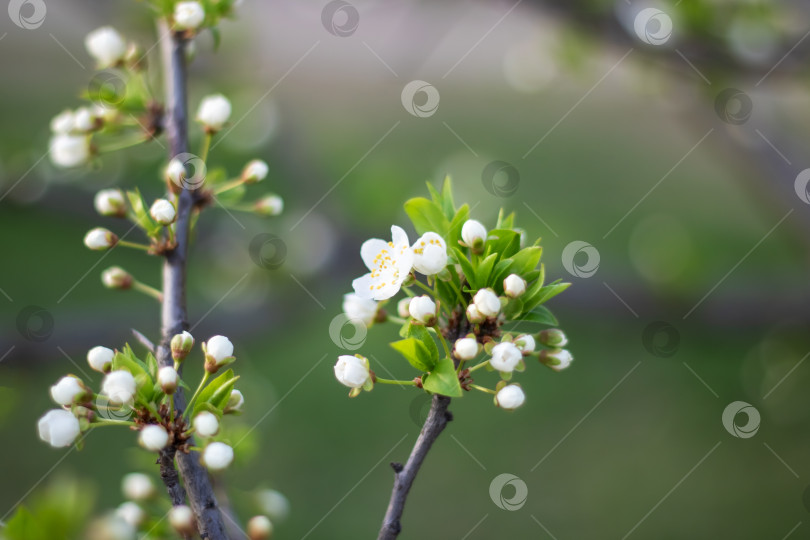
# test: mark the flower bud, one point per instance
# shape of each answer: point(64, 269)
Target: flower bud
point(84, 120)
point(168, 379)
point(137, 487)
point(361, 309)
point(119, 387)
point(99, 239)
point(63, 122)
point(273, 503)
point(553, 338)
point(214, 112)
point(217, 456)
point(505, 356)
point(235, 402)
point(525, 343)
point(556, 359)
point(429, 254)
point(510, 397)
point(69, 390)
point(110, 202)
point(402, 307)
point(106, 45)
point(259, 528)
point(181, 518)
point(423, 309)
point(58, 428)
point(474, 234)
point(163, 212)
point(116, 277)
point(466, 348)
point(176, 171)
point(68, 151)
point(154, 437)
point(135, 58)
point(181, 345)
point(255, 171)
point(206, 424)
point(131, 513)
point(487, 302)
point(218, 353)
point(352, 371)
point(514, 285)
point(271, 205)
point(100, 358)
point(473, 315)
point(188, 15)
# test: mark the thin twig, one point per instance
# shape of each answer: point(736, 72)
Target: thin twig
point(143, 340)
point(174, 317)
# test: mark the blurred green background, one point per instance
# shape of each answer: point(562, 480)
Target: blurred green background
point(695, 214)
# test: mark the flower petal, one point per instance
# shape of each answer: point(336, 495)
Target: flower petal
point(399, 236)
point(370, 249)
point(363, 286)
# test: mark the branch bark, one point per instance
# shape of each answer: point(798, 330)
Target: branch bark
point(436, 421)
point(174, 318)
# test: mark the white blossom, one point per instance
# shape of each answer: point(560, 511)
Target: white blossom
point(84, 120)
point(66, 390)
point(206, 424)
point(181, 518)
point(131, 513)
point(402, 307)
point(176, 171)
point(163, 212)
point(106, 45)
point(69, 151)
point(423, 309)
point(219, 348)
point(116, 277)
point(119, 386)
point(473, 315)
point(100, 358)
point(389, 264)
point(269, 205)
point(510, 397)
point(188, 15)
point(259, 528)
point(273, 503)
point(154, 437)
point(352, 371)
point(473, 232)
point(181, 344)
point(487, 302)
point(137, 487)
point(214, 111)
point(556, 359)
point(235, 401)
point(63, 122)
point(525, 343)
point(168, 379)
point(255, 171)
point(110, 202)
point(358, 308)
point(429, 254)
point(466, 348)
point(505, 356)
point(514, 285)
point(99, 239)
point(217, 456)
point(58, 428)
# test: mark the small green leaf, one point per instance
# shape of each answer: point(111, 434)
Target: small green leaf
point(448, 205)
point(454, 232)
point(526, 260)
point(484, 270)
point(513, 308)
point(466, 267)
point(507, 222)
point(208, 392)
point(141, 214)
point(415, 353)
point(427, 216)
point(543, 294)
point(443, 379)
point(541, 315)
point(421, 333)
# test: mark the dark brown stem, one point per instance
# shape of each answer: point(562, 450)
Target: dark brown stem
point(405, 475)
point(174, 318)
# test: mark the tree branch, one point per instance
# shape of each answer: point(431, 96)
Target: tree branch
point(173, 317)
point(404, 476)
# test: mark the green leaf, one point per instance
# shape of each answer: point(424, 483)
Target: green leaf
point(422, 334)
point(504, 242)
point(484, 270)
point(141, 214)
point(507, 222)
point(427, 216)
point(544, 294)
point(435, 196)
point(448, 205)
point(443, 379)
point(540, 315)
point(454, 231)
point(415, 353)
point(466, 266)
point(499, 273)
point(152, 365)
point(513, 308)
point(125, 360)
point(207, 394)
point(526, 260)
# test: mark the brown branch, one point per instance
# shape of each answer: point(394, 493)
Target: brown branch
point(174, 318)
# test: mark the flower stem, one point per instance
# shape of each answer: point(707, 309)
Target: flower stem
point(147, 290)
point(398, 320)
point(101, 423)
point(228, 186)
point(206, 147)
point(424, 287)
point(394, 381)
point(482, 389)
point(133, 245)
point(444, 342)
point(479, 366)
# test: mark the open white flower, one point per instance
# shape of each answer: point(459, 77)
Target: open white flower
point(67, 389)
point(69, 151)
point(214, 111)
point(188, 15)
point(119, 386)
point(163, 212)
point(510, 397)
point(206, 424)
point(514, 285)
point(525, 342)
point(99, 239)
point(106, 45)
point(423, 309)
point(466, 348)
point(487, 302)
point(352, 371)
point(58, 428)
point(217, 456)
point(390, 263)
point(137, 487)
point(255, 171)
point(110, 202)
point(154, 437)
point(473, 233)
point(358, 308)
point(429, 254)
point(505, 357)
point(100, 358)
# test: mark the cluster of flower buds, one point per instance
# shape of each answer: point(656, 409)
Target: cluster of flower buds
point(137, 392)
